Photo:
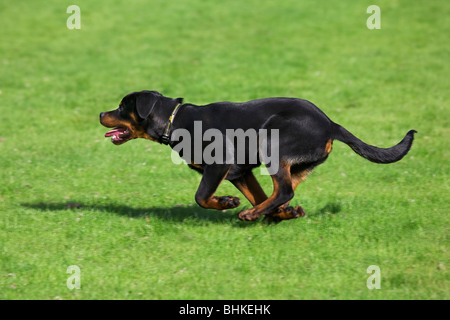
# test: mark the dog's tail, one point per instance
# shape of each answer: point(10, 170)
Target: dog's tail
point(375, 154)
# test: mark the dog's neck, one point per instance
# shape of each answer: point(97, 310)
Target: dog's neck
point(160, 130)
point(165, 138)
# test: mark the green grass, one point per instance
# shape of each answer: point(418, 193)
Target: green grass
point(138, 233)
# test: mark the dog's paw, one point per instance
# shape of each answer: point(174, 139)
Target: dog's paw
point(288, 213)
point(248, 215)
point(228, 202)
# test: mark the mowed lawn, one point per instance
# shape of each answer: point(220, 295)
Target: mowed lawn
point(126, 215)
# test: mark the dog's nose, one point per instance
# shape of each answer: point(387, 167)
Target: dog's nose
point(101, 115)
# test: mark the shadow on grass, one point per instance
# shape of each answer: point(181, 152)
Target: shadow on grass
point(330, 208)
point(178, 213)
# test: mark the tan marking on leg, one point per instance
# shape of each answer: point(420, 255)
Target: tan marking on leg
point(213, 201)
point(251, 189)
point(328, 146)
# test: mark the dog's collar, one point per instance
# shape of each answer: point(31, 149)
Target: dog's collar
point(165, 138)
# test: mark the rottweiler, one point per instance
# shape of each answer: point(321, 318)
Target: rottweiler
point(305, 137)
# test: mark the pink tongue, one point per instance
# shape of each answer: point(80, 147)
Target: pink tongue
point(113, 132)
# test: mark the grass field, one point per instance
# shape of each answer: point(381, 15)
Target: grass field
point(126, 216)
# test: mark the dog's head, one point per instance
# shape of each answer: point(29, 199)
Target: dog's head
point(139, 115)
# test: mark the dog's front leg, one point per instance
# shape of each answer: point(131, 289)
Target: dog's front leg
point(213, 175)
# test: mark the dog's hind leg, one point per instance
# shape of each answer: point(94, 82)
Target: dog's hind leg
point(299, 172)
point(285, 212)
point(282, 193)
point(213, 175)
point(250, 188)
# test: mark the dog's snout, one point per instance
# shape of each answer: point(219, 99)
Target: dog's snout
point(101, 115)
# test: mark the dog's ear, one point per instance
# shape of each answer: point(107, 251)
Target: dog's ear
point(145, 103)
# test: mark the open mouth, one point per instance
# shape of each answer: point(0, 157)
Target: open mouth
point(119, 135)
